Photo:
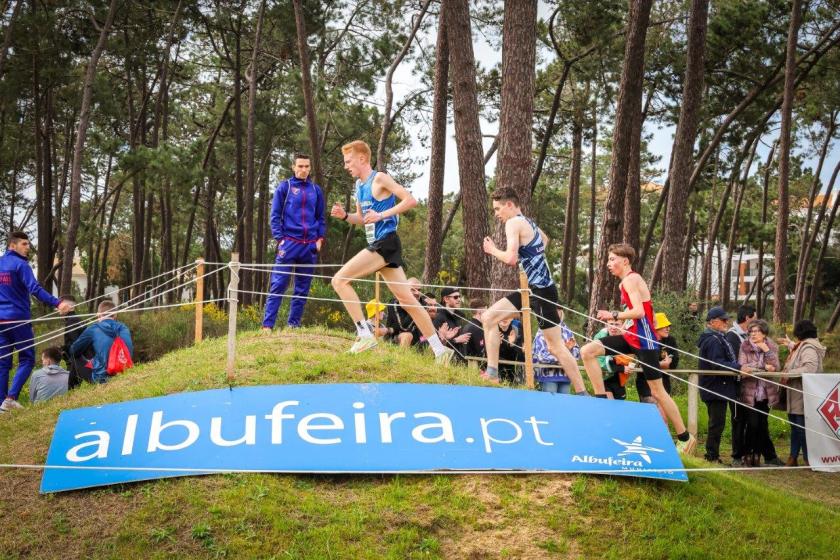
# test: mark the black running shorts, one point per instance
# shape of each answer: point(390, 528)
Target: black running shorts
point(545, 311)
point(390, 248)
point(649, 359)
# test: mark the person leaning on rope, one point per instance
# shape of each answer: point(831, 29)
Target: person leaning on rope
point(17, 285)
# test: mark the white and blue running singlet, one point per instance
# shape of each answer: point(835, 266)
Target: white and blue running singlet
point(532, 257)
point(364, 195)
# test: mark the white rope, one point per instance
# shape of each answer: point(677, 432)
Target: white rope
point(687, 382)
point(115, 310)
point(51, 315)
point(685, 352)
point(251, 267)
point(48, 335)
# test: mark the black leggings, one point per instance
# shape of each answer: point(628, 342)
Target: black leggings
point(757, 440)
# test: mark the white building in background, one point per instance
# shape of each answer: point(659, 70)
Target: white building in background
point(744, 272)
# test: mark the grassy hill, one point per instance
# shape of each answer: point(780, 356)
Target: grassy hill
point(770, 514)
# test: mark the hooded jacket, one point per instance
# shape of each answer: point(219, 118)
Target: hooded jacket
point(807, 357)
point(297, 211)
point(17, 283)
point(716, 354)
point(100, 336)
point(48, 382)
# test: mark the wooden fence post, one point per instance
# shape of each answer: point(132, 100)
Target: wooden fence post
point(527, 343)
point(233, 298)
point(693, 394)
point(199, 300)
point(376, 307)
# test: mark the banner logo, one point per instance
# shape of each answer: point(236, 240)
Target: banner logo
point(830, 410)
point(637, 447)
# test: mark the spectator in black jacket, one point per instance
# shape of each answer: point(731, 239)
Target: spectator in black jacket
point(475, 345)
point(735, 336)
point(448, 323)
point(405, 332)
point(716, 354)
point(80, 368)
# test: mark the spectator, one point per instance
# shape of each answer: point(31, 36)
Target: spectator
point(510, 350)
point(17, 284)
point(806, 356)
point(553, 380)
point(404, 331)
point(448, 323)
point(716, 354)
point(79, 368)
point(298, 225)
point(694, 310)
point(758, 353)
point(100, 336)
point(474, 347)
point(736, 335)
point(51, 380)
point(613, 367)
point(669, 358)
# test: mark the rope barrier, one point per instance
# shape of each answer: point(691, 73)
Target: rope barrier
point(684, 352)
point(116, 310)
point(46, 336)
point(687, 382)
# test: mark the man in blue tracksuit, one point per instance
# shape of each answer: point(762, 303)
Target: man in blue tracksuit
point(17, 283)
point(298, 226)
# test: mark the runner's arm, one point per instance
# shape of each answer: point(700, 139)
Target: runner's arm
point(407, 200)
point(510, 255)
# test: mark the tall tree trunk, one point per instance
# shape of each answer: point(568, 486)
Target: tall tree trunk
point(43, 188)
point(593, 187)
point(456, 204)
point(780, 277)
point(387, 122)
point(569, 258)
point(834, 317)
point(513, 165)
point(78, 152)
point(815, 285)
point(250, 180)
point(437, 159)
point(675, 222)
point(733, 228)
point(308, 95)
point(760, 301)
point(807, 242)
point(689, 237)
point(633, 192)
point(629, 104)
point(468, 140)
point(242, 245)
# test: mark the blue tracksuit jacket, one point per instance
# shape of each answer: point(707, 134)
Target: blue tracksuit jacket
point(17, 283)
point(298, 212)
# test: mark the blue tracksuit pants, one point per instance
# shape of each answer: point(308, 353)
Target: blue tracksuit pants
point(15, 338)
point(290, 253)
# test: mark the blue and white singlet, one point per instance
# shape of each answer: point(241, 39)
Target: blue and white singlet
point(532, 257)
point(364, 195)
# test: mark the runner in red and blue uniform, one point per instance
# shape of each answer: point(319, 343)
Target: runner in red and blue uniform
point(298, 225)
point(17, 284)
point(639, 338)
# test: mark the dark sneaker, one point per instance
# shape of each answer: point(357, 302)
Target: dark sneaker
point(774, 462)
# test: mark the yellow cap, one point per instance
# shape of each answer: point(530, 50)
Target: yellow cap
point(373, 307)
point(661, 321)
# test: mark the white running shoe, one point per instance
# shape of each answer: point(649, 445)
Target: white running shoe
point(363, 344)
point(445, 357)
point(10, 404)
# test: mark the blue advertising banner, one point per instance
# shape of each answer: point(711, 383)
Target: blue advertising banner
point(351, 428)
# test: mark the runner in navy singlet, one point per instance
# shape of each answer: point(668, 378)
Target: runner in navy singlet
point(525, 244)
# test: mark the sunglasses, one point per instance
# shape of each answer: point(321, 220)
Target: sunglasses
point(454, 296)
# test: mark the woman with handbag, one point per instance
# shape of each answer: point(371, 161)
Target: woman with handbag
point(806, 356)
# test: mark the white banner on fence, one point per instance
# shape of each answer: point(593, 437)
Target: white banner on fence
point(822, 414)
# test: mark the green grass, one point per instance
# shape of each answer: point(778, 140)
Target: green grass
point(716, 515)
